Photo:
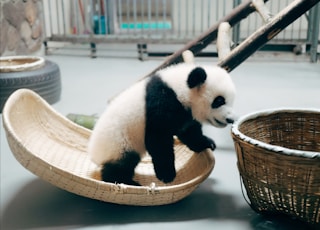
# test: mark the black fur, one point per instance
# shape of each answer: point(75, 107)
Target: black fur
point(165, 117)
point(196, 77)
point(122, 170)
point(218, 102)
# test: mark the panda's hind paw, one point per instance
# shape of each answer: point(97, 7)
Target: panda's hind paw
point(167, 175)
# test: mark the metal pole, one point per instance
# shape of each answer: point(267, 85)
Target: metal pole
point(314, 33)
point(236, 27)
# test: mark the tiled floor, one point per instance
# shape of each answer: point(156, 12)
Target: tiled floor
point(30, 203)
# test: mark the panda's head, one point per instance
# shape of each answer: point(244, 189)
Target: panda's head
point(211, 95)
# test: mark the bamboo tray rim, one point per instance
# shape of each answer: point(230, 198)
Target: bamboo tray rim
point(275, 148)
point(146, 195)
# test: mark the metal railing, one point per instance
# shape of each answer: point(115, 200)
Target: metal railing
point(164, 21)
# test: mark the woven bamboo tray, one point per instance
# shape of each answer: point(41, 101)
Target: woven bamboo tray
point(279, 161)
point(55, 149)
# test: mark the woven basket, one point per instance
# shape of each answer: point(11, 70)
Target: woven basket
point(279, 161)
point(55, 149)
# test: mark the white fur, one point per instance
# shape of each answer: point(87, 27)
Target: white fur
point(218, 83)
point(122, 126)
point(188, 57)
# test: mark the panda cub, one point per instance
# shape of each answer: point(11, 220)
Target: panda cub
point(146, 116)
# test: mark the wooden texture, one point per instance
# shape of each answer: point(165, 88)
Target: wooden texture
point(198, 44)
point(266, 33)
point(249, 45)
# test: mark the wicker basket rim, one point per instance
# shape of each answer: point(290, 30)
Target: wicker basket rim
point(279, 149)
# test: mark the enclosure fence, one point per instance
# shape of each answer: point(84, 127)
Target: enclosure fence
point(164, 21)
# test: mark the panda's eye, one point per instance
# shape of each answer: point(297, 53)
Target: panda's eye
point(218, 101)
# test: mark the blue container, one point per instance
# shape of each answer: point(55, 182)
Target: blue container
point(99, 24)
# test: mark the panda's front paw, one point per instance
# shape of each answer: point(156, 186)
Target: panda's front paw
point(202, 144)
point(166, 175)
point(211, 144)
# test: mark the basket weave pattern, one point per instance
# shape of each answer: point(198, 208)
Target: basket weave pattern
point(281, 180)
point(55, 149)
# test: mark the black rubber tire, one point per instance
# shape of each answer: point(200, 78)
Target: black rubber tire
point(45, 81)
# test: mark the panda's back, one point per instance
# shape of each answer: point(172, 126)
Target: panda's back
point(121, 127)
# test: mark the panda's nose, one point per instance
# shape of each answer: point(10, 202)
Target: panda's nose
point(229, 120)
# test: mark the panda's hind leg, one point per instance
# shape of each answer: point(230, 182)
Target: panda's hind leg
point(121, 170)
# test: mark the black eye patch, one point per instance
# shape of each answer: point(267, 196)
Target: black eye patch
point(218, 101)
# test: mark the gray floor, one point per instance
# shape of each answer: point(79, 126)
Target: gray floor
point(30, 203)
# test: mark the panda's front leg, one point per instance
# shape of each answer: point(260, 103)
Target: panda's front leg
point(160, 147)
point(191, 135)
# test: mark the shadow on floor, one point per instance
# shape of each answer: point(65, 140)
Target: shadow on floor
point(41, 205)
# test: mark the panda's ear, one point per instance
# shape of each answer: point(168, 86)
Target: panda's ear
point(196, 77)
